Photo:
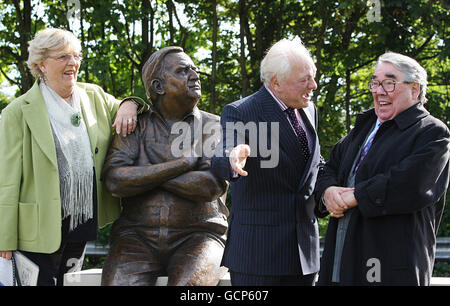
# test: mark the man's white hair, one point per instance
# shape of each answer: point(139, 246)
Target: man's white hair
point(281, 57)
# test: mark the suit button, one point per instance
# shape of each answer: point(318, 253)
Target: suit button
point(96, 150)
point(378, 201)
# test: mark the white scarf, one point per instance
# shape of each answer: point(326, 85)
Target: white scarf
point(73, 150)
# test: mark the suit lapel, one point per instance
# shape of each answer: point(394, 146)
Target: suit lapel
point(273, 113)
point(310, 125)
point(308, 118)
point(88, 110)
point(362, 127)
point(36, 116)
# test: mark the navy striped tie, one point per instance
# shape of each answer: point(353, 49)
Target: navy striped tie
point(366, 147)
point(301, 134)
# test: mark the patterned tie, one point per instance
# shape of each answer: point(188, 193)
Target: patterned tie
point(366, 148)
point(301, 134)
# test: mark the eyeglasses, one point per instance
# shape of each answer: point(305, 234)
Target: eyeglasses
point(387, 84)
point(64, 58)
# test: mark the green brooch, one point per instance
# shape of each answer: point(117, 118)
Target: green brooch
point(75, 119)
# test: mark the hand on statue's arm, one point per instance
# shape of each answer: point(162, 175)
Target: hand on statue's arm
point(126, 118)
point(6, 254)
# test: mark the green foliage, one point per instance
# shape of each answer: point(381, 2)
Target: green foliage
point(444, 228)
point(2, 105)
point(94, 262)
point(441, 269)
point(4, 100)
point(118, 36)
point(103, 235)
point(323, 222)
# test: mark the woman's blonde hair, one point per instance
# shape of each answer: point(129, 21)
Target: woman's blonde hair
point(46, 41)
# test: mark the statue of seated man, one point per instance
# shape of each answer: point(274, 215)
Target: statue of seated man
point(174, 218)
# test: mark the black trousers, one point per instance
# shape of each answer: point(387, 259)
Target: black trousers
point(70, 255)
point(52, 267)
point(242, 279)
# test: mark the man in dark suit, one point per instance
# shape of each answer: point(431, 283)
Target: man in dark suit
point(394, 165)
point(270, 153)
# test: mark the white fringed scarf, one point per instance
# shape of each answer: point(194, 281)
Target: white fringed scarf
point(73, 150)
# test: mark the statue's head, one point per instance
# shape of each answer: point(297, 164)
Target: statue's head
point(170, 73)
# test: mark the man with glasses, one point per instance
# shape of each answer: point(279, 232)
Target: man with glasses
point(384, 185)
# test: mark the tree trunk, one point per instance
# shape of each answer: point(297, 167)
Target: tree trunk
point(242, 20)
point(24, 28)
point(83, 44)
point(146, 42)
point(321, 41)
point(170, 8)
point(212, 104)
point(280, 31)
point(348, 80)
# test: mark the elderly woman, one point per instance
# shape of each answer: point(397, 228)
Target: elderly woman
point(53, 142)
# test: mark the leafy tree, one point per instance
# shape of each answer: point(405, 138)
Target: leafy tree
point(228, 39)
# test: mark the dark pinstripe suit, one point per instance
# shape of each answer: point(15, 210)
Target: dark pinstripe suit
point(273, 229)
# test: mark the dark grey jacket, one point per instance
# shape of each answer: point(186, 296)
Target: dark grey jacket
point(400, 188)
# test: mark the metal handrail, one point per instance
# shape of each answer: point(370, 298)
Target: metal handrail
point(442, 249)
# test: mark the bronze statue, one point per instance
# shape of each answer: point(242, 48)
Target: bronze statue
point(174, 218)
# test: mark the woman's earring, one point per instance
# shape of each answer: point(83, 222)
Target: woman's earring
point(43, 75)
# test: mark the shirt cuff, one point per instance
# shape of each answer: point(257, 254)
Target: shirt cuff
point(322, 206)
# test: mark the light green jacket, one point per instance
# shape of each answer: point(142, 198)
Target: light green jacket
point(30, 203)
